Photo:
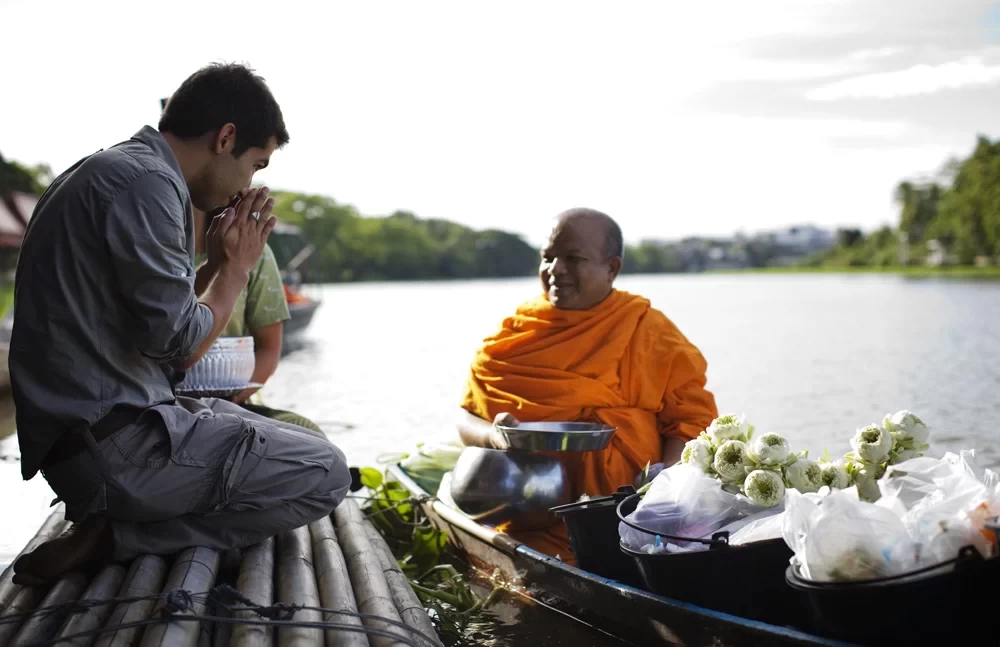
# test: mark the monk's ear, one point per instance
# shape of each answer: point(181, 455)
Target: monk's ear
point(614, 268)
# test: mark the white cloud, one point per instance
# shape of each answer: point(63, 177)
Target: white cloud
point(875, 54)
point(490, 115)
point(916, 80)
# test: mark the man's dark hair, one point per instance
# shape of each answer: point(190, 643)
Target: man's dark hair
point(614, 243)
point(224, 93)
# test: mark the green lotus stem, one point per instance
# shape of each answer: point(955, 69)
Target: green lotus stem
point(443, 596)
point(485, 602)
point(447, 568)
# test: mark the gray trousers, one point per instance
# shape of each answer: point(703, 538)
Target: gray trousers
point(201, 473)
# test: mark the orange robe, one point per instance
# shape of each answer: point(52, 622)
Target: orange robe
point(622, 363)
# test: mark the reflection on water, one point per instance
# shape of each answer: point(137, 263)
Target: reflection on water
point(511, 618)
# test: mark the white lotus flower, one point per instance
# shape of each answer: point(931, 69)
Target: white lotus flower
point(871, 444)
point(835, 476)
point(866, 480)
point(764, 488)
point(698, 452)
point(731, 460)
point(728, 427)
point(804, 475)
point(770, 449)
point(904, 455)
point(906, 426)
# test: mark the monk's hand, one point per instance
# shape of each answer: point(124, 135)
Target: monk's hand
point(498, 439)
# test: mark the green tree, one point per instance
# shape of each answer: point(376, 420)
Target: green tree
point(401, 246)
point(970, 209)
point(27, 179)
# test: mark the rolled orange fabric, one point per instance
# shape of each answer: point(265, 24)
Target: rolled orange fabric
point(622, 363)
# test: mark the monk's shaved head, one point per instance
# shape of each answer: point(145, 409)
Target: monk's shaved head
point(614, 243)
point(582, 259)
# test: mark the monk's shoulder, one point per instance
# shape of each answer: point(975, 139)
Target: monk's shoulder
point(659, 325)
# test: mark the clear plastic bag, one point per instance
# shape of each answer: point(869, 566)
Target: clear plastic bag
point(929, 510)
point(838, 537)
point(682, 501)
point(430, 462)
point(761, 526)
point(944, 504)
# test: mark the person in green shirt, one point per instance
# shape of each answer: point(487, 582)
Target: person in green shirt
point(260, 312)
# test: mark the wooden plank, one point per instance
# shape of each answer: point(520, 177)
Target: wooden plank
point(105, 586)
point(256, 583)
point(194, 571)
point(297, 585)
point(53, 527)
point(42, 626)
point(145, 577)
point(371, 591)
point(410, 609)
point(335, 586)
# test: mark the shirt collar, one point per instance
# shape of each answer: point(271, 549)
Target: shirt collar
point(152, 138)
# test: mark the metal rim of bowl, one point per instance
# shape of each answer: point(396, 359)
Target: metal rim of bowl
point(540, 436)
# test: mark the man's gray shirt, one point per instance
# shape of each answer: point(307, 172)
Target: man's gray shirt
point(104, 293)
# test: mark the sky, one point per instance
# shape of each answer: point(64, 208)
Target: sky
point(677, 117)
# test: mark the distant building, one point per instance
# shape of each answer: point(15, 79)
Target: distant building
point(806, 239)
point(936, 253)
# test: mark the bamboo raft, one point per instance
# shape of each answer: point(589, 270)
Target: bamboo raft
point(333, 583)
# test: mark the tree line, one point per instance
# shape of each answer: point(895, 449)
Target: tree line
point(953, 215)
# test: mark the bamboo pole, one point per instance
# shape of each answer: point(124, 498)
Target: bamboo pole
point(255, 582)
point(371, 591)
point(335, 586)
point(41, 626)
point(194, 571)
point(410, 609)
point(105, 586)
point(297, 585)
point(145, 577)
point(25, 600)
point(51, 528)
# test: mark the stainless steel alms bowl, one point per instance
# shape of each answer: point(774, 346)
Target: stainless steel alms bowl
point(557, 436)
point(494, 487)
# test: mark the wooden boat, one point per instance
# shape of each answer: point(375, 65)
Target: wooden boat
point(629, 613)
point(301, 308)
point(291, 251)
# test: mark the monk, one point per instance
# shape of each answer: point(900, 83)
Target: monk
point(585, 351)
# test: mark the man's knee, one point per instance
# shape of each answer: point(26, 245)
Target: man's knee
point(330, 491)
point(338, 476)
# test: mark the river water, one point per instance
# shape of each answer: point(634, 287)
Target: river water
point(810, 356)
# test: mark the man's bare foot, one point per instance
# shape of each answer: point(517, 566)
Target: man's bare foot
point(82, 544)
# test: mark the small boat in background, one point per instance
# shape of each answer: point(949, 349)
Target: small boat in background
point(292, 252)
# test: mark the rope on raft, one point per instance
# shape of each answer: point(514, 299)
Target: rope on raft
point(178, 604)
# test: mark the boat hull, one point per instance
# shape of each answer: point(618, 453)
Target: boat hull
point(301, 317)
point(624, 611)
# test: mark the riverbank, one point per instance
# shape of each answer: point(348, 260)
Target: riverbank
point(991, 272)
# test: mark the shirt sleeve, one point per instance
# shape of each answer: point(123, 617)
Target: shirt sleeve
point(147, 242)
point(266, 303)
